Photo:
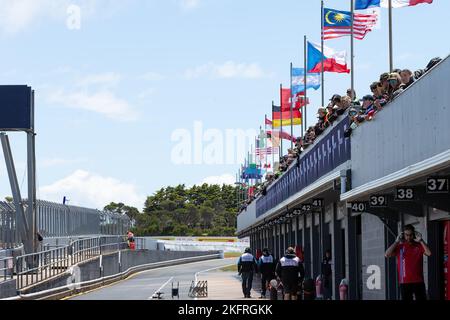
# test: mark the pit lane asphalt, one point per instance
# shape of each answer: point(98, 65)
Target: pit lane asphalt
point(142, 286)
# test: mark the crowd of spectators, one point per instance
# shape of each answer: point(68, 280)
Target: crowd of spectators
point(383, 91)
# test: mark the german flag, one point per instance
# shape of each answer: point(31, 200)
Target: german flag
point(284, 118)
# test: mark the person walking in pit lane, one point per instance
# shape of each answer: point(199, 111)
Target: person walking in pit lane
point(266, 266)
point(246, 268)
point(287, 270)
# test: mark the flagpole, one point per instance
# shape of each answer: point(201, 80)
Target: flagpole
point(391, 62)
point(305, 79)
point(281, 116)
point(352, 10)
point(265, 135)
point(249, 163)
point(322, 58)
point(273, 136)
point(292, 120)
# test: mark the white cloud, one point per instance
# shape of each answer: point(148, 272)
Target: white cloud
point(19, 15)
point(108, 79)
point(103, 102)
point(227, 70)
point(223, 179)
point(190, 4)
point(147, 93)
point(16, 15)
point(90, 190)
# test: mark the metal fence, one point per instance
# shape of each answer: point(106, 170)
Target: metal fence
point(6, 268)
point(57, 220)
point(9, 237)
point(37, 267)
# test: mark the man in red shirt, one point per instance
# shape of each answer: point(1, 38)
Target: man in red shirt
point(409, 249)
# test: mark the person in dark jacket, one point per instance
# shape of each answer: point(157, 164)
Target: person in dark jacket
point(287, 270)
point(266, 268)
point(327, 275)
point(246, 267)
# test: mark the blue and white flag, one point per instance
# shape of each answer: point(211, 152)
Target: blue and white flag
point(364, 4)
point(298, 80)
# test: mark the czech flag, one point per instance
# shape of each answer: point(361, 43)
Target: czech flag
point(332, 61)
point(364, 4)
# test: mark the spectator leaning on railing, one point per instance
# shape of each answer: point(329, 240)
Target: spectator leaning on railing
point(389, 86)
point(407, 78)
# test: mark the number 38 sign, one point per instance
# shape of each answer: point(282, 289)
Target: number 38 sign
point(404, 194)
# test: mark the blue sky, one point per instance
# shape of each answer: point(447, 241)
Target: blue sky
point(111, 95)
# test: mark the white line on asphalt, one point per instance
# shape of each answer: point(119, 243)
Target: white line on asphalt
point(155, 294)
point(211, 269)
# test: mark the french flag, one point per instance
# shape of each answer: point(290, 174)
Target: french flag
point(364, 4)
point(332, 61)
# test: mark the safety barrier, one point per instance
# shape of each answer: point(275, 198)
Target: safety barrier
point(75, 288)
point(198, 289)
point(32, 269)
point(6, 268)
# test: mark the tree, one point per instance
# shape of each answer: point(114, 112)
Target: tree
point(123, 209)
point(196, 211)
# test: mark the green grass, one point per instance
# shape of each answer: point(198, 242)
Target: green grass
point(232, 268)
point(232, 254)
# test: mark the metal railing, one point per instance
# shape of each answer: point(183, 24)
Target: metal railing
point(58, 220)
point(32, 269)
point(328, 152)
point(6, 268)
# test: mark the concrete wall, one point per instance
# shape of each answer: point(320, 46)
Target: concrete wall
point(413, 128)
point(247, 217)
point(91, 270)
point(373, 254)
point(7, 288)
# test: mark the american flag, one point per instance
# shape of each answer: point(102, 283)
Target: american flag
point(266, 151)
point(338, 24)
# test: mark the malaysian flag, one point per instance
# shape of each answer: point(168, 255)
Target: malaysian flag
point(339, 24)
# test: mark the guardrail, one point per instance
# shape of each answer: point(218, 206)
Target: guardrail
point(75, 288)
point(32, 269)
point(6, 268)
point(329, 151)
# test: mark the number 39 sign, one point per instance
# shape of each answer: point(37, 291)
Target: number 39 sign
point(379, 201)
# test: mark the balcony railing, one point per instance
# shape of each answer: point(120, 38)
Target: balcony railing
point(329, 151)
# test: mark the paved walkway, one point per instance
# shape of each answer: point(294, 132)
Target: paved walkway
point(226, 285)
